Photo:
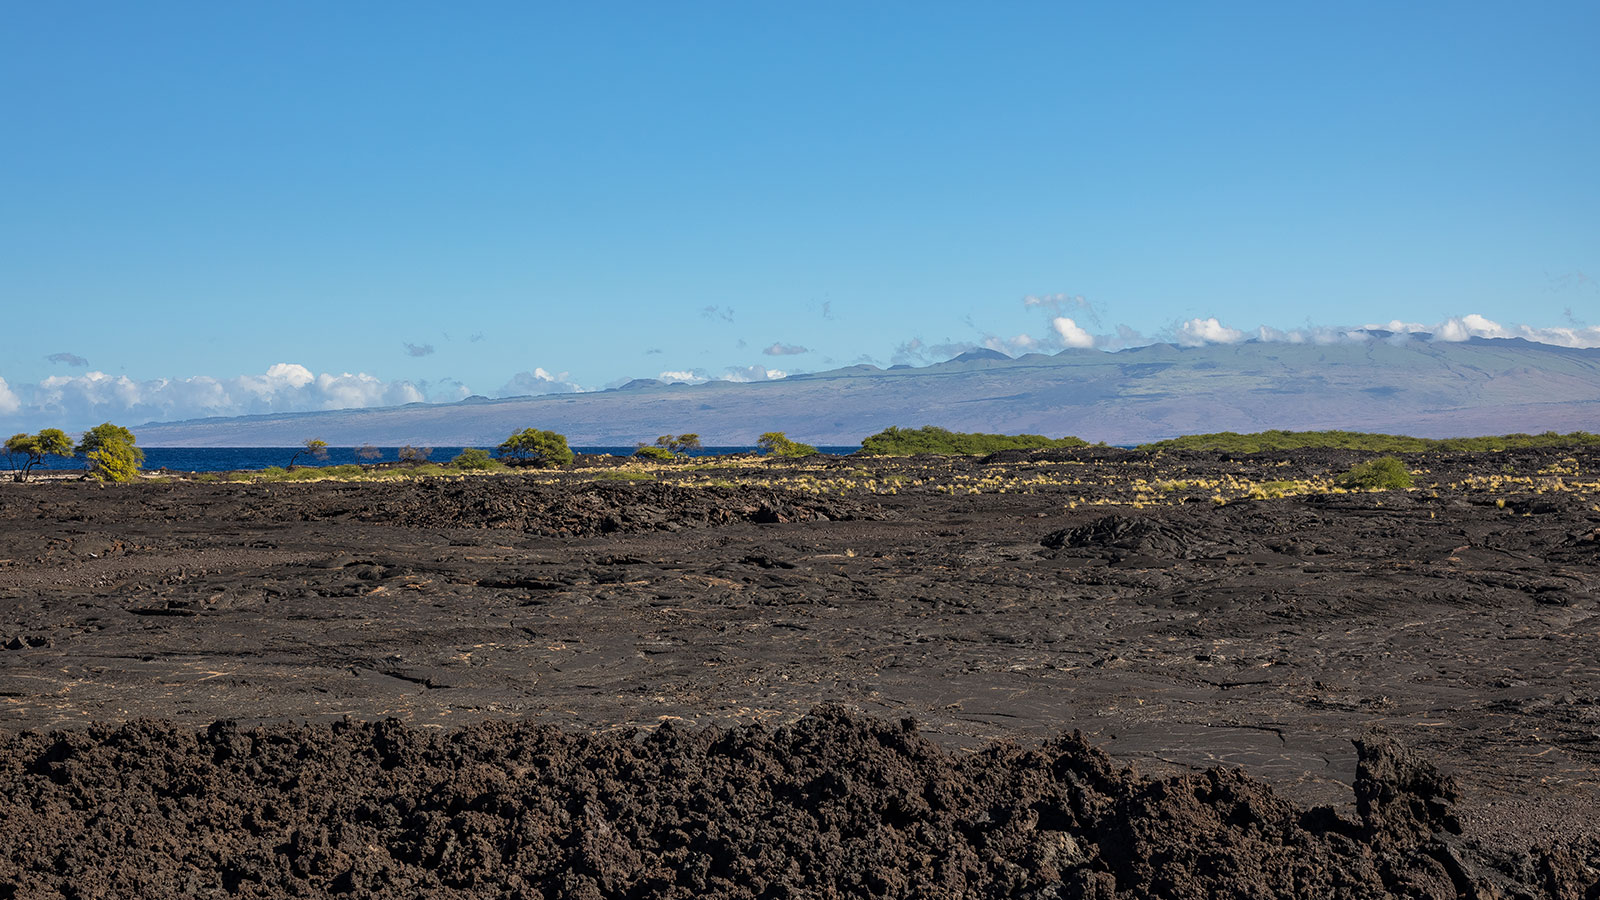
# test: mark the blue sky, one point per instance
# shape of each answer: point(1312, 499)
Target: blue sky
point(222, 208)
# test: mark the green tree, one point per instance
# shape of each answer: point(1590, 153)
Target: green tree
point(116, 461)
point(531, 445)
point(35, 447)
point(472, 458)
point(776, 443)
point(644, 451)
point(415, 456)
point(316, 448)
point(670, 445)
point(112, 451)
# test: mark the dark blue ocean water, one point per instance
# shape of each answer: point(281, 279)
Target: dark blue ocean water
point(232, 459)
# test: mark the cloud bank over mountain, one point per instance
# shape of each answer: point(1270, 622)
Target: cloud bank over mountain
point(1392, 383)
point(81, 400)
point(735, 374)
point(1467, 327)
point(78, 401)
point(1068, 332)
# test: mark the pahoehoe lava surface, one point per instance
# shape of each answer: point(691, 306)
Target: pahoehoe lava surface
point(516, 629)
point(837, 805)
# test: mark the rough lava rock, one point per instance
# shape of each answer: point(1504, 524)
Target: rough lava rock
point(835, 805)
point(559, 510)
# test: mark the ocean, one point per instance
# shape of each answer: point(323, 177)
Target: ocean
point(232, 459)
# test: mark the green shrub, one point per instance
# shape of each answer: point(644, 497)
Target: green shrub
point(306, 473)
point(657, 453)
point(776, 443)
point(894, 441)
point(473, 459)
point(275, 474)
point(1383, 474)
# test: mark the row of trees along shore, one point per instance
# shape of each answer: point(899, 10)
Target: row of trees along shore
point(110, 451)
point(533, 446)
point(538, 447)
point(530, 446)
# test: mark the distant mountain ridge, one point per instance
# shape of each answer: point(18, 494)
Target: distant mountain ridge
point(1396, 384)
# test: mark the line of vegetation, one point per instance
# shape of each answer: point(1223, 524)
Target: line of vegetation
point(1377, 443)
point(528, 447)
point(669, 447)
point(470, 460)
point(894, 441)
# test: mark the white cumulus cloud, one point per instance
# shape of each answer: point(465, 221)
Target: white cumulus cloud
point(1199, 332)
point(8, 400)
point(1070, 333)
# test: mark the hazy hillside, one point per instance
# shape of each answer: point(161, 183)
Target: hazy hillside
point(1415, 386)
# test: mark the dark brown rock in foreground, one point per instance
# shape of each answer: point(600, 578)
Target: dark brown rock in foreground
point(836, 805)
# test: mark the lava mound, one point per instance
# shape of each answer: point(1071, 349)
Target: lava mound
point(836, 805)
point(1122, 533)
point(561, 510)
